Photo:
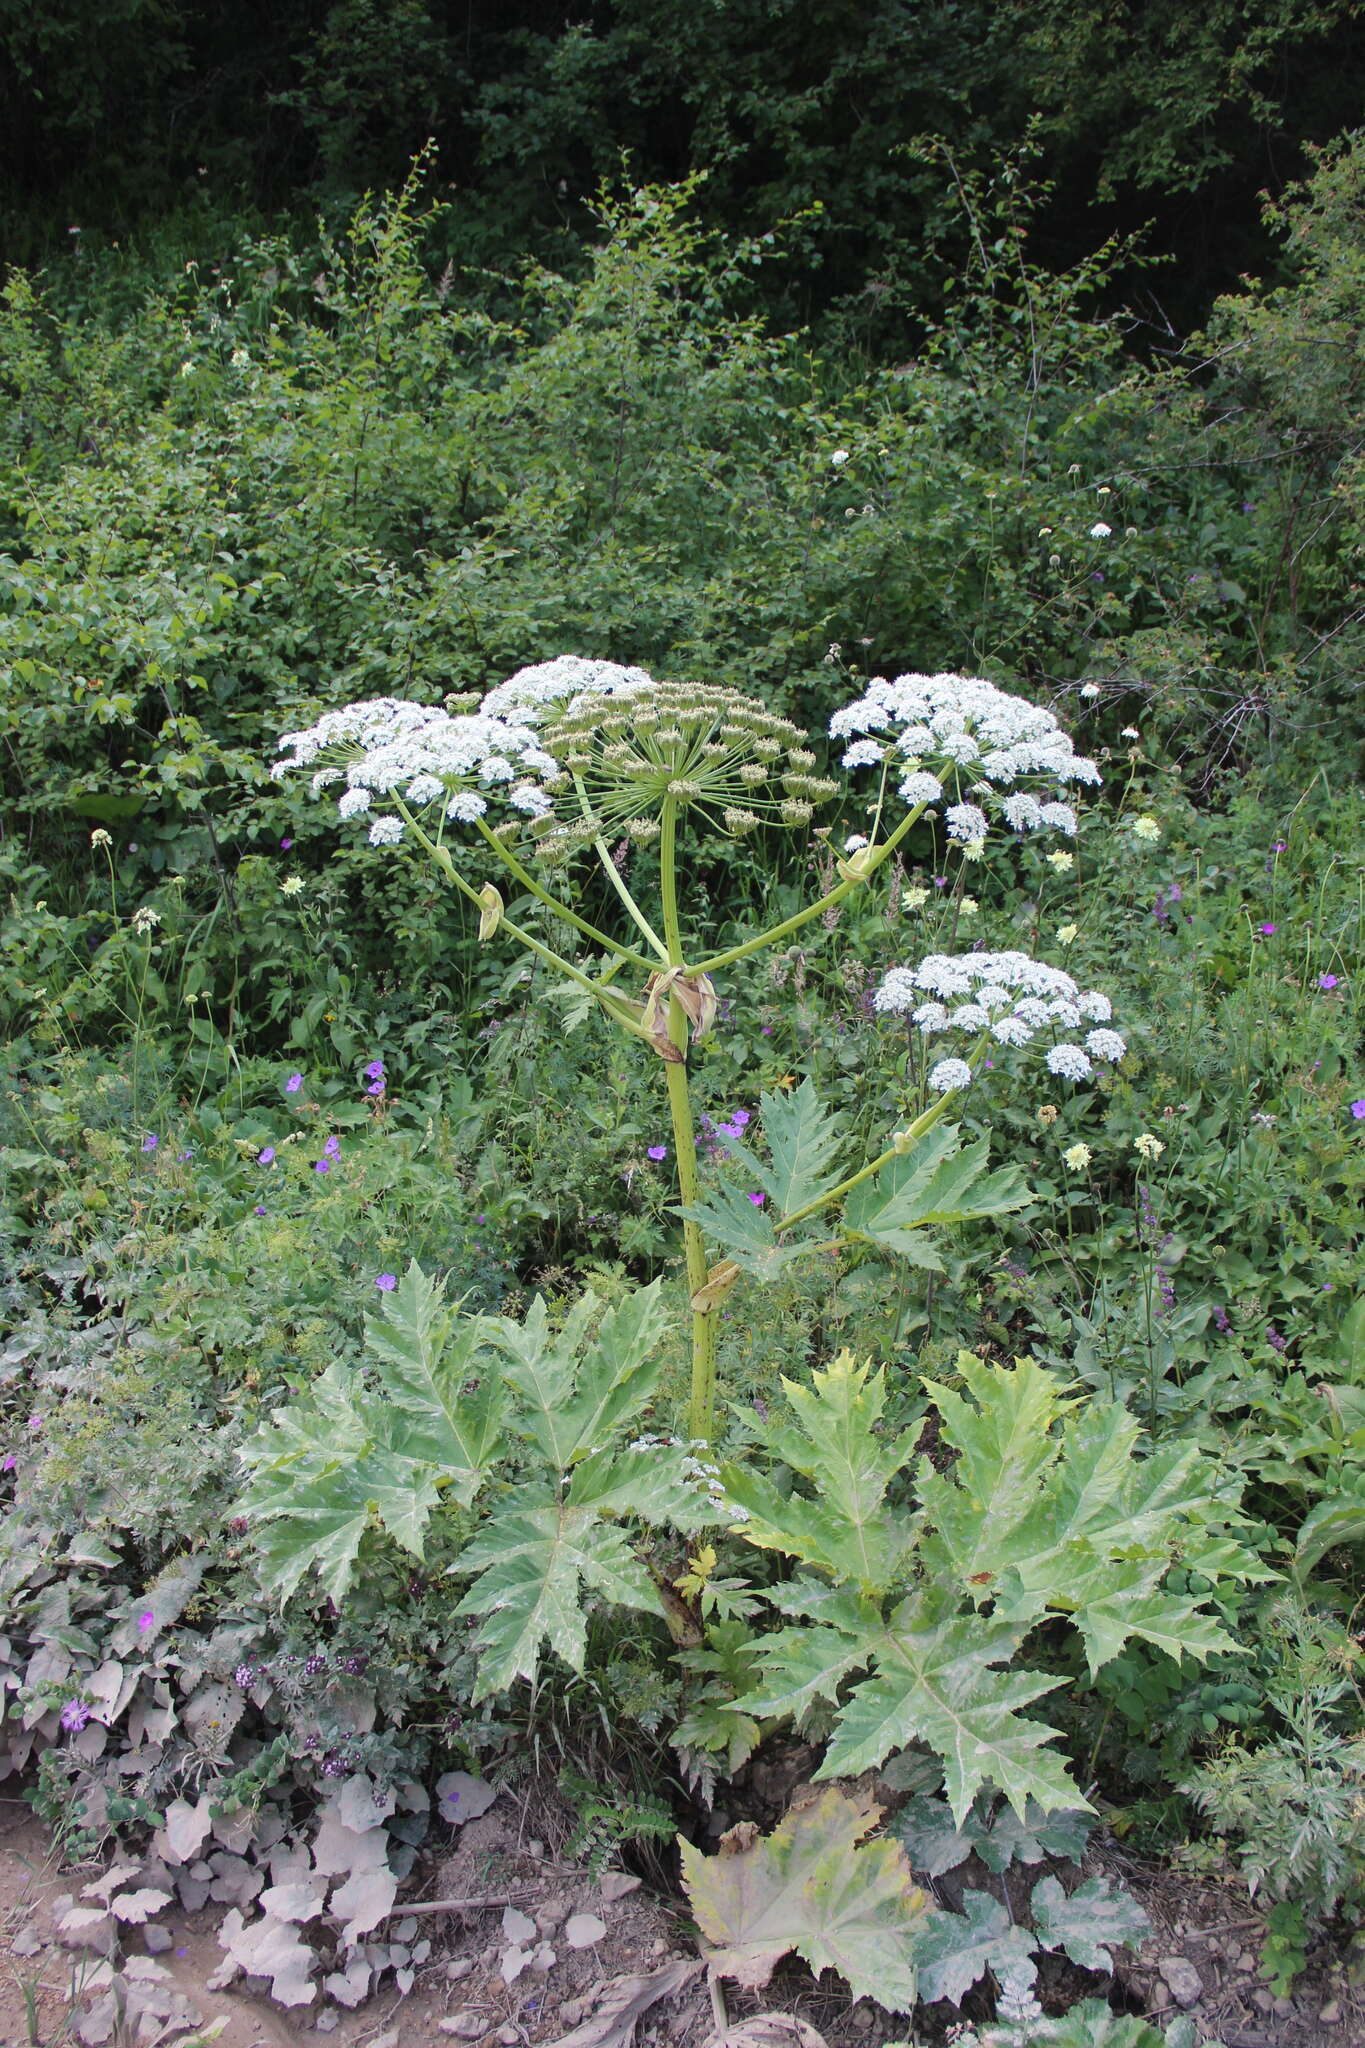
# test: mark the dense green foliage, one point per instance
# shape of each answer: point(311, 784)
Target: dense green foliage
point(1112, 1422)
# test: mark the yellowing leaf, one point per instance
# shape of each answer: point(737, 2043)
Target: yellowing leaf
point(813, 1885)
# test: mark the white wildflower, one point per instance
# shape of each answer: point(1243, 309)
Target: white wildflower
point(353, 803)
point(949, 1074)
point(423, 789)
point(292, 885)
point(525, 697)
point(1101, 530)
point(1077, 1157)
point(1105, 1045)
point(1090, 690)
point(965, 821)
point(386, 831)
point(99, 837)
point(856, 841)
point(921, 788)
point(145, 920)
point(838, 458)
point(1069, 1063)
point(1146, 828)
point(1148, 1147)
point(465, 806)
point(863, 754)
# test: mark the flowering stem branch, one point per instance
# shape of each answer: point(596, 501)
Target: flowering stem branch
point(528, 881)
point(616, 1008)
point(613, 875)
point(803, 917)
point(702, 1408)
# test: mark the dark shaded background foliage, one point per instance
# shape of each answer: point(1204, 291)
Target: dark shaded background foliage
point(112, 111)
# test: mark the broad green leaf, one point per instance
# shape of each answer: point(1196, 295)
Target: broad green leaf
point(802, 1665)
point(426, 1359)
point(1087, 1923)
point(955, 1950)
point(653, 1483)
point(1010, 1839)
point(935, 1183)
point(930, 1836)
point(845, 1528)
point(533, 1562)
point(984, 1510)
point(814, 1886)
point(937, 1681)
point(804, 1138)
point(727, 1217)
point(1339, 1520)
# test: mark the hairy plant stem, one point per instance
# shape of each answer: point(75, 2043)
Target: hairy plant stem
point(702, 1405)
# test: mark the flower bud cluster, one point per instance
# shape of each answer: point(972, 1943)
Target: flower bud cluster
point(962, 737)
point(629, 749)
point(1010, 1000)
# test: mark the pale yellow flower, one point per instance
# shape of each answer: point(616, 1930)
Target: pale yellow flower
point(1077, 1157)
point(292, 885)
point(1146, 828)
point(968, 907)
point(915, 899)
point(1062, 862)
point(99, 837)
point(1148, 1146)
point(1066, 933)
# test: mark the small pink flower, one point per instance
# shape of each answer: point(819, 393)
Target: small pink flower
point(145, 1621)
point(758, 1200)
point(1328, 980)
point(1267, 931)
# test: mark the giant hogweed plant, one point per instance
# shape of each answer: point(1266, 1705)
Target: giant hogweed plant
point(566, 757)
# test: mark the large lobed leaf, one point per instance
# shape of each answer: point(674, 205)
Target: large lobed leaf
point(1040, 1511)
point(814, 1886)
point(934, 1183)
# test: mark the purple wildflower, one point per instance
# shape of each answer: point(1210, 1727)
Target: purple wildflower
point(285, 845)
point(293, 1084)
point(1267, 931)
point(375, 1071)
point(75, 1714)
point(9, 1462)
point(145, 1621)
point(322, 1166)
point(265, 1155)
point(260, 1208)
point(1328, 980)
point(181, 1157)
point(375, 1088)
point(1220, 1320)
point(657, 1152)
point(35, 1423)
point(386, 1282)
point(740, 1118)
point(355, 1666)
point(150, 1142)
point(758, 1200)
point(1274, 1339)
point(313, 1665)
point(244, 1676)
point(332, 1149)
point(1358, 1110)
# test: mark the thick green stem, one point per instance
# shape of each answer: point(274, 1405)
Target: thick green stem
point(803, 917)
point(702, 1408)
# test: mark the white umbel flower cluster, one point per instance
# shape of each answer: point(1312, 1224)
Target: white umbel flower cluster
point(962, 733)
point(534, 693)
point(384, 746)
point(1009, 999)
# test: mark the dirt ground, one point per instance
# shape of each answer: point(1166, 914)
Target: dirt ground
point(527, 1950)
